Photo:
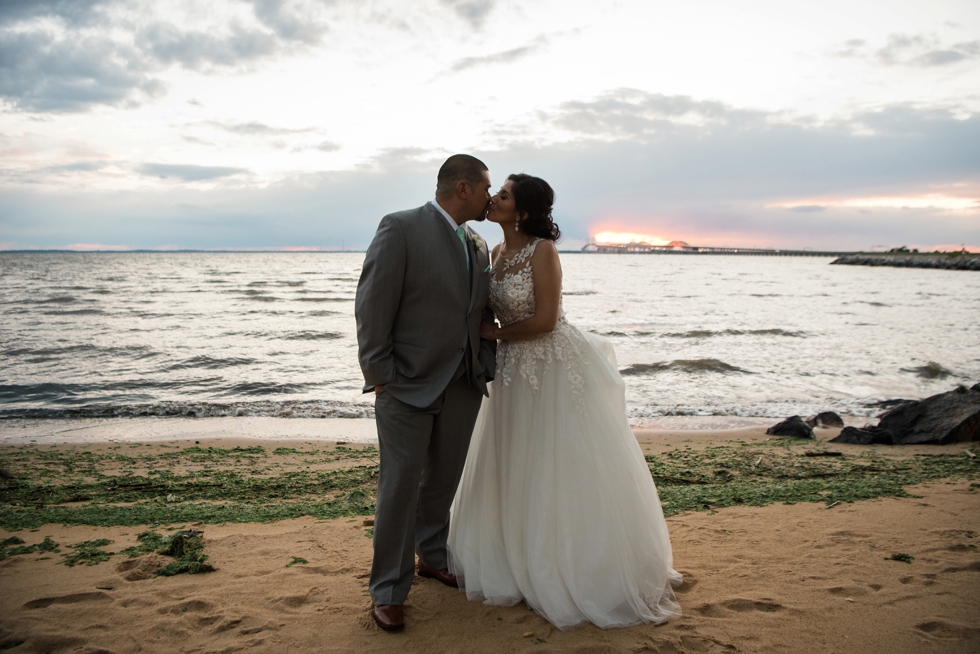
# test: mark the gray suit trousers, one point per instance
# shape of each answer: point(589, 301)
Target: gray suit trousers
point(423, 450)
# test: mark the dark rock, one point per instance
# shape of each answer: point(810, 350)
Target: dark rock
point(867, 435)
point(825, 419)
point(952, 417)
point(791, 427)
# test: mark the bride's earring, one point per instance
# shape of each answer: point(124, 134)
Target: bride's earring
point(517, 226)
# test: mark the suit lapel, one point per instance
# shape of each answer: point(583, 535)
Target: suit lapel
point(476, 270)
point(452, 244)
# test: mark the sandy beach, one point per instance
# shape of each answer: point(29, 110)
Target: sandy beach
point(807, 576)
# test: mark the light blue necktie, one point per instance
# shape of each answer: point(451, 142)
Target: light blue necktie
point(461, 233)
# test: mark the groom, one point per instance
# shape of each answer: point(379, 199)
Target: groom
point(420, 300)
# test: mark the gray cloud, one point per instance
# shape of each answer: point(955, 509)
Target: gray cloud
point(74, 71)
point(293, 24)
point(256, 129)
point(70, 12)
point(169, 44)
point(474, 12)
point(631, 113)
point(921, 50)
point(505, 57)
point(188, 172)
point(41, 73)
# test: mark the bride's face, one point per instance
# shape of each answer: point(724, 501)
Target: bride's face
point(503, 209)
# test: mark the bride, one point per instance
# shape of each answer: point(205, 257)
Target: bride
point(556, 505)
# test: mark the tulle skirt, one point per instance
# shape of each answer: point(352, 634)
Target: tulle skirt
point(556, 505)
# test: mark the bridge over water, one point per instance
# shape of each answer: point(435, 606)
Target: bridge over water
point(645, 248)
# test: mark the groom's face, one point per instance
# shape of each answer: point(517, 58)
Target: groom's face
point(479, 200)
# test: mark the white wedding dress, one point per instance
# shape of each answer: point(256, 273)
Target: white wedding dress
point(556, 505)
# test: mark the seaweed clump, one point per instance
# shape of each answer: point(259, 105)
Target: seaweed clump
point(185, 547)
point(15, 545)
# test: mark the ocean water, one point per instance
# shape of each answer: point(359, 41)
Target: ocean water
point(273, 334)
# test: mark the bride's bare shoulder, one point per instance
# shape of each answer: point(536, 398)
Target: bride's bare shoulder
point(545, 250)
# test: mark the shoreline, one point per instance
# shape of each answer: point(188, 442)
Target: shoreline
point(153, 429)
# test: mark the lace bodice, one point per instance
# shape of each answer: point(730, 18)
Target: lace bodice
point(512, 300)
point(512, 295)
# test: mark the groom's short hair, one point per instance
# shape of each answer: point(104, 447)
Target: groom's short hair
point(459, 168)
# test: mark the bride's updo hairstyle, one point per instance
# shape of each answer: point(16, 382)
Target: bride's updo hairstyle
point(533, 198)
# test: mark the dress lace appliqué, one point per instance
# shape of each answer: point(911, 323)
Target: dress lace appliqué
point(512, 299)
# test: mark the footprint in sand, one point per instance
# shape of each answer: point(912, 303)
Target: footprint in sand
point(690, 581)
point(74, 598)
point(739, 605)
point(947, 630)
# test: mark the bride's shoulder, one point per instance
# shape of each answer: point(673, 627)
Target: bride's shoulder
point(544, 249)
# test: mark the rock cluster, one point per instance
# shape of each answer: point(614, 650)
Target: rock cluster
point(954, 261)
point(793, 426)
point(952, 417)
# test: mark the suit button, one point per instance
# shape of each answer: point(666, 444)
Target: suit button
point(460, 349)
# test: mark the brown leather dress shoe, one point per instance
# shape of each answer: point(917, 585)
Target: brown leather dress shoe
point(389, 617)
point(445, 576)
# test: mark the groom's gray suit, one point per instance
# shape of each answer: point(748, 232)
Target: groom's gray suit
point(418, 309)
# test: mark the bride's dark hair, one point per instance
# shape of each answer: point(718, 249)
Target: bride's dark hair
point(533, 198)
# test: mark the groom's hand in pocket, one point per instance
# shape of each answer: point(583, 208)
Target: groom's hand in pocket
point(378, 388)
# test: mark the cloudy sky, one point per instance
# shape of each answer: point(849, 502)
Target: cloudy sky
point(297, 124)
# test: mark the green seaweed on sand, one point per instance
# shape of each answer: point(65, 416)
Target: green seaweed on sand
point(186, 547)
point(901, 556)
point(88, 552)
point(14, 545)
point(149, 541)
point(780, 471)
point(207, 485)
point(297, 561)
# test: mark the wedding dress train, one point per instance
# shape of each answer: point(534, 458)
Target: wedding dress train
point(556, 505)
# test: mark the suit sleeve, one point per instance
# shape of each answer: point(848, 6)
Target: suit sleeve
point(379, 292)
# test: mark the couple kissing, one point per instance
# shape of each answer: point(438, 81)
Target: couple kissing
point(508, 467)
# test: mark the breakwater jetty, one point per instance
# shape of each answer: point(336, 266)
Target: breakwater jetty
point(944, 260)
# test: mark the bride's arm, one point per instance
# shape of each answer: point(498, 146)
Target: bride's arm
point(547, 298)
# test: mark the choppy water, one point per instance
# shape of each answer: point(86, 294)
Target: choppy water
point(273, 333)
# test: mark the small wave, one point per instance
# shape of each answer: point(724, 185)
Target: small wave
point(324, 299)
point(684, 365)
point(613, 332)
point(312, 336)
point(58, 299)
point(257, 284)
point(706, 333)
point(265, 388)
point(210, 363)
point(263, 298)
point(168, 409)
point(931, 370)
point(291, 284)
point(320, 313)
point(137, 351)
point(76, 312)
point(578, 292)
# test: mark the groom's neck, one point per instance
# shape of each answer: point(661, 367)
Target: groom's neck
point(454, 208)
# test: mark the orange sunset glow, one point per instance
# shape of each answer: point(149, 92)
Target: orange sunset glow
point(628, 237)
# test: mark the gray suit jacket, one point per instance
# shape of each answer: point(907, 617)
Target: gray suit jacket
point(418, 310)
